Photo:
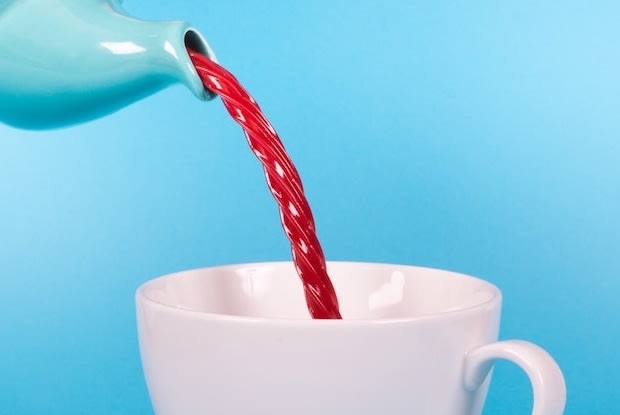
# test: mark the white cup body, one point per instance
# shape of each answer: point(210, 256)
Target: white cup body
point(238, 340)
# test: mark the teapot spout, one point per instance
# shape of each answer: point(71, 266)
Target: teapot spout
point(175, 62)
point(64, 62)
point(195, 41)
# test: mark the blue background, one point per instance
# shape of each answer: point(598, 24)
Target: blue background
point(474, 136)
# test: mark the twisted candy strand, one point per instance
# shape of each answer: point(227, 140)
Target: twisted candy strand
point(283, 181)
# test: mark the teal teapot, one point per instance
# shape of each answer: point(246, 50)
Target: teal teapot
point(64, 62)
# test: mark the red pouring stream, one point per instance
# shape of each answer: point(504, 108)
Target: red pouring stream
point(283, 181)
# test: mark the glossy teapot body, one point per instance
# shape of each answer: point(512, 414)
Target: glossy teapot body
point(64, 62)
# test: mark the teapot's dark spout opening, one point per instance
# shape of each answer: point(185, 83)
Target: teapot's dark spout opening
point(194, 40)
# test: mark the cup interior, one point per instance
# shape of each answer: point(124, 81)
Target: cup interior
point(273, 290)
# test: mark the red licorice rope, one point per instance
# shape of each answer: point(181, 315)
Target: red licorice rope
point(283, 181)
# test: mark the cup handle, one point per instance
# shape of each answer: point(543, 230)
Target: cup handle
point(548, 385)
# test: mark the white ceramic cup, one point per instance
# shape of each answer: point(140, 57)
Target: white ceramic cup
point(238, 340)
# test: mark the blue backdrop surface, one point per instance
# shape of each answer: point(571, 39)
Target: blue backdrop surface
point(481, 137)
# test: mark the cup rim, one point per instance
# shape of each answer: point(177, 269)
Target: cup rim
point(141, 296)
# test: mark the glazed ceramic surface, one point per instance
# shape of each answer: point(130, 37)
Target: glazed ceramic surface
point(238, 339)
point(68, 61)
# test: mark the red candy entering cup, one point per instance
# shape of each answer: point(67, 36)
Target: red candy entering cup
point(283, 181)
